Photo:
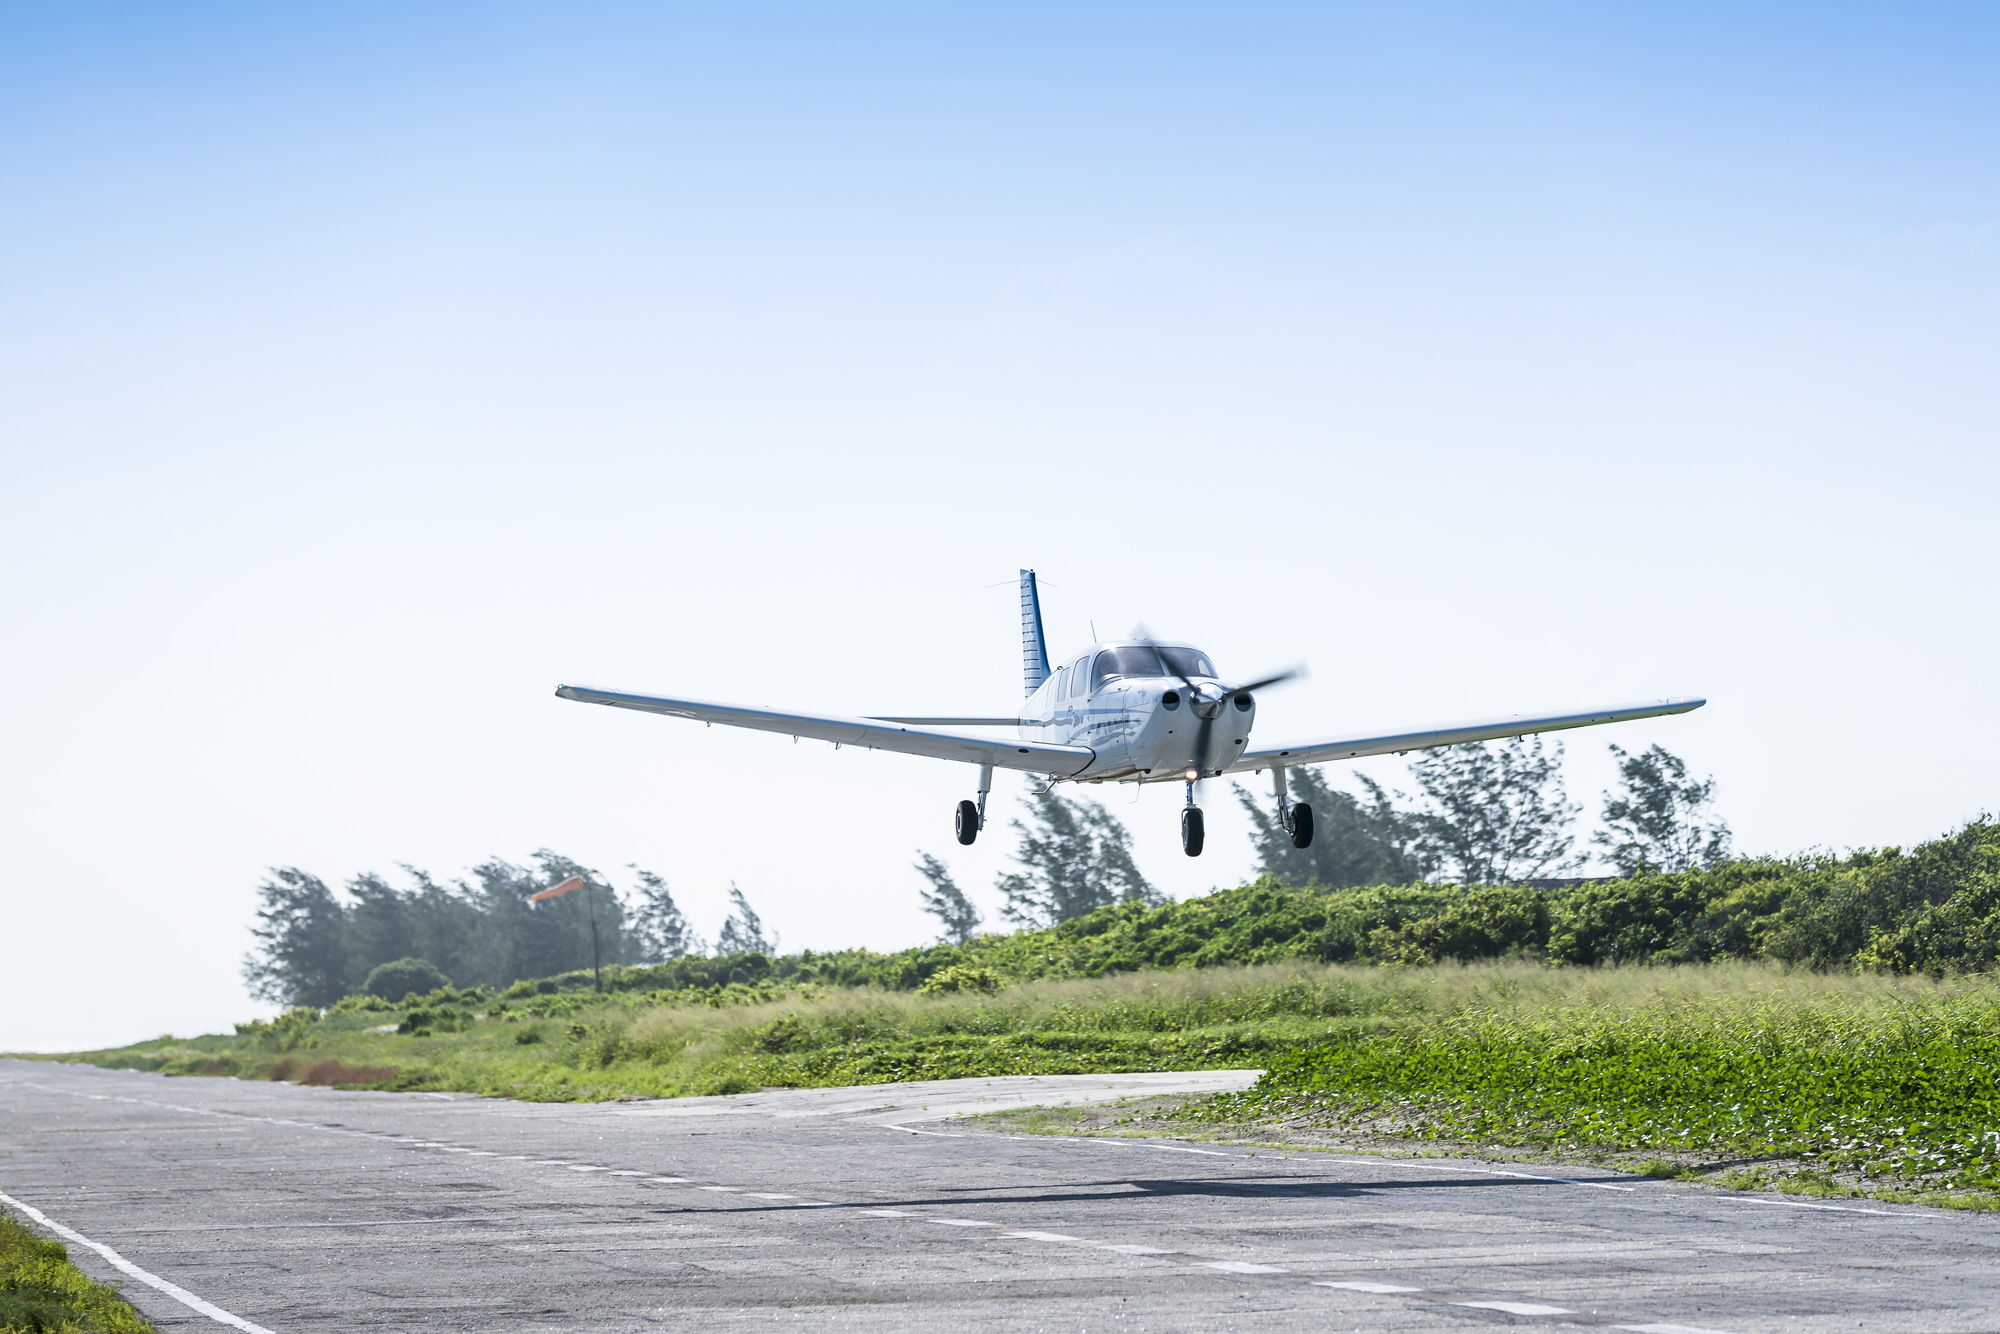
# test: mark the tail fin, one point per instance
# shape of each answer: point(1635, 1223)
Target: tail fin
point(1034, 649)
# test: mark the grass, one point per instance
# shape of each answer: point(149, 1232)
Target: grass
point(41, 1292)
point(1837, 1082)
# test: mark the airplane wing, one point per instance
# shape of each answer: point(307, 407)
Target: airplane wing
point(875, 733)
point(1354, 747)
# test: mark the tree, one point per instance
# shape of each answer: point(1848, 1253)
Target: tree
point(1075, 857)
point(1661, 820)
point(743, 932)
point(1361, 840)
point(301, 952)
point(945, 901)
point(400, 978)
point(660, 929)
point(1498, 813)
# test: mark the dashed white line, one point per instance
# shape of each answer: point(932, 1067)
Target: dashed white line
point(939, 1134)
point(732, 1190)
point(763, 1194)
point(1518, 1308)
point(1042, 1236)
point(1667, 1329)
point(1131, 1248)
point(1242, 1267)
point(126, 1267)
point(1363, 1285)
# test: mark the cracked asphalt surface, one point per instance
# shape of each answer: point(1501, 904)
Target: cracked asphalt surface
point(294, 1209)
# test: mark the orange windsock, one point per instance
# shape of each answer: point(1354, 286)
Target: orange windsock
point(574, 882)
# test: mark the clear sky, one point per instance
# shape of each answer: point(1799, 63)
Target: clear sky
point(368, 369)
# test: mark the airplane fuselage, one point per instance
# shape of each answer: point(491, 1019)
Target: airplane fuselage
point(1141, 720)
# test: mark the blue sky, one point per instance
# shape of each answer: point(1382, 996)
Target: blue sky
point(366, 370)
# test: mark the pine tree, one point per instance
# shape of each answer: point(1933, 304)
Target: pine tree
point(743, 932)
point(944, 900)
point(1498, 812)
point(1075, 857)
point(1662, 820)
point(301, 953)
point(660, 928)
point(1362, 840)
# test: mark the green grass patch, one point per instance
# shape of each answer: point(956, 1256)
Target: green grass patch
point(1859, 1078)
point(41, 1292)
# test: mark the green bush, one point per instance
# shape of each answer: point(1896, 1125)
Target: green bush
point(403, 978)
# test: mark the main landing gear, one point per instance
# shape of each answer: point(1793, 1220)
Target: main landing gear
point(1297, 820)
point(971, 816)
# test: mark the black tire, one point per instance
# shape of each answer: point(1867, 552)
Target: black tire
point(967, 822)
point(1302, 826)
point(1191, 831)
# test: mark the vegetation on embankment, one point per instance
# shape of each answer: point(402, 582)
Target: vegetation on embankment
point(41, 1292)
point(1870, 1084)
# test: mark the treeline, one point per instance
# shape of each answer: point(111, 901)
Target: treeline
point(1932, 908)
point(315, 945)
point(1494, 813)
point(1483, 814)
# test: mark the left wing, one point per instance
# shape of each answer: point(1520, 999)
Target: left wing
point(1350, 748)
point(1038, 757)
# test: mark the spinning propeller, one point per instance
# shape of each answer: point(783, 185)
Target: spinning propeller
point(1208, 704)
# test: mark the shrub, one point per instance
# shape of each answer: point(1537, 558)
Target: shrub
point(958, 977)
point(404, 978)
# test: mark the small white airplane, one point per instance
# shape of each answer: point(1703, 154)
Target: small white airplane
point(1128, 711)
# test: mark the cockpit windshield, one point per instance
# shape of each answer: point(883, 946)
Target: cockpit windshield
point(1149, 660)
point(1186, 661)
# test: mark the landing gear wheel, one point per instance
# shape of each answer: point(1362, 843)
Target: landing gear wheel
point(967, 822)
point(1191, 831)
point(1302, 826)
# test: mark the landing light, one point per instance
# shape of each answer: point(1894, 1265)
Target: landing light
point(1193, 774)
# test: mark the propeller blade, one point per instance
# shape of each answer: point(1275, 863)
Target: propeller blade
point(1289, 674)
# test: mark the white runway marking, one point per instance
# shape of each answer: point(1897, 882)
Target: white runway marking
point(1042, 1236)
point(1518, 1308)
point(960, 1222)
point(126, 1267)
point(1164, 1148)
point(1360, 1285)
point(940, 1134)
point(1129, 1248)
point(759, 1194)
point(1242, 1267)
point(889, 1213)
point(1667, 1329)
point(1832, 1208)
point(1480, 1171)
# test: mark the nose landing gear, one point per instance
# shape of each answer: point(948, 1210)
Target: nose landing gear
point(971, 817)
point(1192, 832)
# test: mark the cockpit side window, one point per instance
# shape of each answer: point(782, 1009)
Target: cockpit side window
point(1187, 662)
point(1078, 675)
point(1132, 660)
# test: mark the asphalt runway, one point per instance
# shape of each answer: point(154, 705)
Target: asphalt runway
point(270, 1207)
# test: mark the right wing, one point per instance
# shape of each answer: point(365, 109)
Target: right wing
point(875, 733)
point(1350, 748)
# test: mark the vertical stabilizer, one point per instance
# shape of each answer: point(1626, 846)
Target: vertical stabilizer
point(1034, 649)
